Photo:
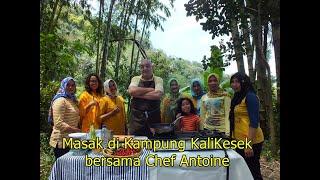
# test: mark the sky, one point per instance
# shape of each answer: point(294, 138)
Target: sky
point(183, 37)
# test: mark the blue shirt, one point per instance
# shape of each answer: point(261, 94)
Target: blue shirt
point(252, 102)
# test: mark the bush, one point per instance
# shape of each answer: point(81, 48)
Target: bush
point(266, 151)
point(46, 156)
point(46, 94)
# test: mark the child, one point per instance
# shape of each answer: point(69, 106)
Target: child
point(190, 120)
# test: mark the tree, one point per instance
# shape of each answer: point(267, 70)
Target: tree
point(221, 19)
point(252, 18)
point(101, 10)
point(263, 69)
point(106, 42)
point(60, 47)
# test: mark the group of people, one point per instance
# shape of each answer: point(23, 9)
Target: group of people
point(200, 110)
point(98, 105)
point(101, 104)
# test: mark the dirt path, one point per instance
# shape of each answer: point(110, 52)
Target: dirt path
point(270, 170)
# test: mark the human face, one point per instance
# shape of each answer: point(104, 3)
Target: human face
point(146, 68)
point(71, 87)
point(213, 83)
point(112, 87)
point(235, 85)
point(196, 88)
point(174, 86)
point(186, 106)
point(93, 83)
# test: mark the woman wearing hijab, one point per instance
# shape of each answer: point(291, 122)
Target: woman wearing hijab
point(169, 102)
point(215, 107)
point(65, 115)
point(197, 91)
point(113, 104)
point(244, 121)
point(89, 103)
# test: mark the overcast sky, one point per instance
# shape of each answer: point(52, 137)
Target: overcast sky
point(183, 37)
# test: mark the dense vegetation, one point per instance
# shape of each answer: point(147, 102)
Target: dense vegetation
point(76, 39)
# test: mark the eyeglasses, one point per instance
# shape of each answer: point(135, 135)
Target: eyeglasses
point(93, 81)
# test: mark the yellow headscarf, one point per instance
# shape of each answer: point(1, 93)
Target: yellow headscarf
point(219, 91)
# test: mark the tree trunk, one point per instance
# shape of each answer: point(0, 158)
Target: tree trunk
point(119, 47)
point(98, 34)
point(43, 5)
point(133, 43)
point(138, 53)
point(252, 17)
point(265, 40)
point(55, 22)
point(249, 52)
point(275, 25)
point(123, 28)
point(247, 43)
point(237, 45)
point(146, 15)
point(52, 16)
point(106, 42)
point(276, 44)
point(128, 17)
point(264, 82)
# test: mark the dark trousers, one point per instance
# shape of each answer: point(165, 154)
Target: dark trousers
point(254, 161)
point(59, 151)
point(139, 124)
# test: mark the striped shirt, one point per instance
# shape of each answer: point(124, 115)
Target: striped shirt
point(190, 123)
point(65, 114)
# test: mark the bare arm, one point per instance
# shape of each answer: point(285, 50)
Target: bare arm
point(111, 113)
point(139, 91)
point(153, 95)
point(252, 133)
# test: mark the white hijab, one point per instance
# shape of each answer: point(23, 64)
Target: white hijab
point(107, 89)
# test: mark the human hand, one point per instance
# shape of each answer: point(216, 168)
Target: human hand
point(248, 152)
point(92, 103)
point(116, 110)
point(74, 130)
point(178, 115)
point(153, 131)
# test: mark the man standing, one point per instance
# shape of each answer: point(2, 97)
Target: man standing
point(146, 91)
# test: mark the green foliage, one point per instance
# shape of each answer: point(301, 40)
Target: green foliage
point(215, 64)
point(68, 47)
point(162, 67)
point(184, 71)
point(266, 151)
point(56, 60)
point(215, 60)
point(276, 115)
point(216, 12)
point(224, 79)
point(46, 94)
point(46, 156)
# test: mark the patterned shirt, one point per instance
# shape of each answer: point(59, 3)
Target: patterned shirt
point(65, 114)
point(214, 111)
